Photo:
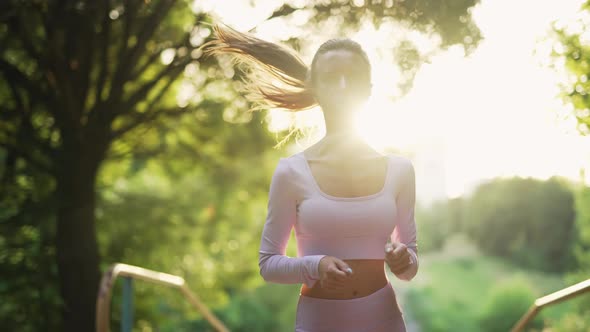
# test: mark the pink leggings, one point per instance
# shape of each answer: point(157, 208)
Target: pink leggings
point(376, 312)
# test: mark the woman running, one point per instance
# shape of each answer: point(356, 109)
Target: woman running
point(352, 207)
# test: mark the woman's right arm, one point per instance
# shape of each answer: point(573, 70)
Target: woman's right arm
point(274, 265)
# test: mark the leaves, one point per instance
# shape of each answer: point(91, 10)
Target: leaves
point(574, 49)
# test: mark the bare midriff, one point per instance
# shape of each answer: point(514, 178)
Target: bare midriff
point(368, 277)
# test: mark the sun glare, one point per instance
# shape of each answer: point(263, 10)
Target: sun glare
point(384, 122)
point(466, 119)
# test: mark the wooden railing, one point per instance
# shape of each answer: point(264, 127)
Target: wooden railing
point(130, 272)
point(559, 296)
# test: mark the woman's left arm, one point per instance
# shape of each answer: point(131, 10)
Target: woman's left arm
point(405, 229)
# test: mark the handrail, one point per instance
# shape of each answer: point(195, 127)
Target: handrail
point(550, 299)
point(124, 270)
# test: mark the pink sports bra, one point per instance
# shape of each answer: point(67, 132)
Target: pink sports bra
point(343, 227)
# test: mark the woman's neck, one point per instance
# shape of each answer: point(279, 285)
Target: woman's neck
point(341, 146)
point(339, 123)
point(342, 140)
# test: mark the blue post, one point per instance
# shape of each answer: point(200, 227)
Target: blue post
point(127, 306)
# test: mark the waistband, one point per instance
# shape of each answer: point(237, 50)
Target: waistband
point(376, 312)
point(385, 290)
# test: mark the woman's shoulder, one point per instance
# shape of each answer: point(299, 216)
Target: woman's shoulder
point(286, 164)
point(291, 160)
point(402, 165)
point(401, 159)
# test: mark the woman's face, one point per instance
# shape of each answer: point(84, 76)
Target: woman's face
point(341, 79)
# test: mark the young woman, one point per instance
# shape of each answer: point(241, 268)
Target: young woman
point(352, 208)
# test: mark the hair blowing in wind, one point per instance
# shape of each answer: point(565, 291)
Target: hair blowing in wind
point(276, 77)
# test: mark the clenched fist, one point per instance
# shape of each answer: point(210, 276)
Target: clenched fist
point(397, 256)
point(333, 272)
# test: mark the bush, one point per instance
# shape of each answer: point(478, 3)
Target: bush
point(527, 221)
point(507, 303)
point(270, 308)
point(435, 314)
point(572, 322)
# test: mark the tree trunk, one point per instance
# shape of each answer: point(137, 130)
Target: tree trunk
point(76, 244)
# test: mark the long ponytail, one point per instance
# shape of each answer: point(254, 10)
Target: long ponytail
point(276, 76)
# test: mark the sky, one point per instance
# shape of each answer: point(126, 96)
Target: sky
point(494, 113)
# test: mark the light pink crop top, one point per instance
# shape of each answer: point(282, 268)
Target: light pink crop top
point(343, 227)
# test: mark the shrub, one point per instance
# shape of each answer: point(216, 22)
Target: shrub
point(507, 303)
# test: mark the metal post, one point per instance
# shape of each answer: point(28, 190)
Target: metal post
point(120, 270)
point(127, 305)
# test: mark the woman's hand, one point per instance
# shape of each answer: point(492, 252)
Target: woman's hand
point(333, 273)
point(397, 256)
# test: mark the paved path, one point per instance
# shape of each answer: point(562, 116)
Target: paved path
point(401, 289)
point(411, 324)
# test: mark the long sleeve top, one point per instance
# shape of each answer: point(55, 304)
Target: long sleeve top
point(343, 227)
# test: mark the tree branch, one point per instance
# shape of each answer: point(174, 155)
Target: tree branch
point(7, 10)
point(27, 132)
point(36, 94)
point(146, 117)
point(152, 23)
point(171, 71)
point(87, 55)
point(129, 16)
point(14, 75)
point(9, 169)
point(25, 38)
point(284, 10)
point(125, 63)
point(153, 57)
point(141, 154)
point(104, 50)
point(149, 61)
point(28, 156)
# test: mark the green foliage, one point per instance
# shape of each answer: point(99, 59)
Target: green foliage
point(505, 305)
point(439, 221)
point(268, 308)
point(195, 213)
point(582, 239)
point(513, 219)
point(448, 22)
point(74, 77)
point(432, 316)
point(572, 322)
point(458, 289)
point(572, 48)
point(579, 317)
point(29, 282)
point(451, 20)
point(527, 221)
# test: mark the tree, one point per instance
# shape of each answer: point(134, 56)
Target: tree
point(77, 76)
point(448, 22)
point(528, 221)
